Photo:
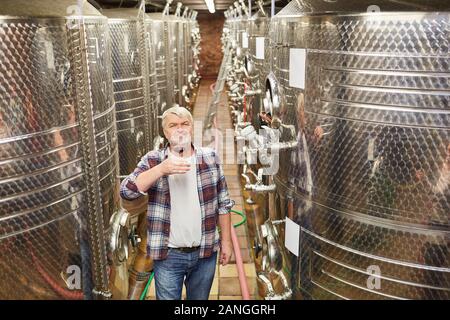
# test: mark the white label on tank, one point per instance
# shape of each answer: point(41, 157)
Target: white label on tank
point(125, 43)
point(370, 149)
point(297, 68)
point(244, 40)
point(49, 55)
point(149, 40)
point(292, 236)
point(132, 126)
point(97, 48)
point(260, 48)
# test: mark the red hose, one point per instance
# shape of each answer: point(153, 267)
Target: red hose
point(237, 253)
point(212, 87)
point(245, 103)
point(67, 294)
point(240, 266)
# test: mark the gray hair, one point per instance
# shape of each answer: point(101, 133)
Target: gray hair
point(179, 111)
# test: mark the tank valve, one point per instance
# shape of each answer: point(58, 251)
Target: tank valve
point(251, 93)
point(134, 237)
point(259, 186)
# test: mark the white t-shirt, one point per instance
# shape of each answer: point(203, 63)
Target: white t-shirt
point(185, 213)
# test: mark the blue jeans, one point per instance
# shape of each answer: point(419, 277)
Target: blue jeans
point(179, 267)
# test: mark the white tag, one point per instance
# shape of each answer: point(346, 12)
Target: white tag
point(125, 43)
point(97, 48)
point(49, 55)
point(260, 48)
point(292, 236)
point(149, 40)
point(244, 40)
point(132, 126)
point(297, 68)
point(370, 149)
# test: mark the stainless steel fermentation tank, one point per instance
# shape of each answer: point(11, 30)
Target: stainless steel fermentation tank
point(164, 58)
point(137, 99)
point(58, 152)
point(360, 96)
point(184, 28)
point(254, 62)
point(174, 35)
point(179, 36)
point(192, 52)
point(154, 94)
point(235, 39)
point(237, 24)
point(133, 84)
point(240, 26)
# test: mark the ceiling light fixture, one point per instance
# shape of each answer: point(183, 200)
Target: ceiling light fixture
point(210, 5)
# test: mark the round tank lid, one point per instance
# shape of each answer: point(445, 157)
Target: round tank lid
point(47, 8)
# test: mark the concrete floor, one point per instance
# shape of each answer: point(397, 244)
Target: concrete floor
point(226, 282)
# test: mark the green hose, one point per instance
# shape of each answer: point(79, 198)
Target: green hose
point(144, 293)
point(244, 218)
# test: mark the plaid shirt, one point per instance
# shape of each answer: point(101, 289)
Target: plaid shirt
point(212, 192)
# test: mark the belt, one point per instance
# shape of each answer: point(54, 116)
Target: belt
point(187, 249)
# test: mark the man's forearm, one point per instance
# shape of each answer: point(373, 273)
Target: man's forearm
point(148, 178)
point(225, 227)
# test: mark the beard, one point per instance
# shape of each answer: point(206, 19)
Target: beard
point(180, 139)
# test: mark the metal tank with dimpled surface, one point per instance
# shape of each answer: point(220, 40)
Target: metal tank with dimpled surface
point(360, 97)
point(58, 151)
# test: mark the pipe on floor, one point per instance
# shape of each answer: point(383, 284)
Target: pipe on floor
point(237, 251)
point(240, 266)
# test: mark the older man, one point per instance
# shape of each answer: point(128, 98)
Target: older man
point(187, 198)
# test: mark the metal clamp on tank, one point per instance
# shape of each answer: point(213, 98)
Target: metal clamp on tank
point(244, 7)
point(185, 12)
point(178, 10)
point(274, 145)
point(260, 4)
point(259, 186)
point(271, 295)
point(250, 70)
point(237, 87)
point(272, 262)
point(238, 8)
point(260, 143)
point(239, 123)
point(121, 233)
point(255, 143)
point(255, 140)
point(235, 91)
point(252, 93)
point(166, 10)
point(272, 102)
